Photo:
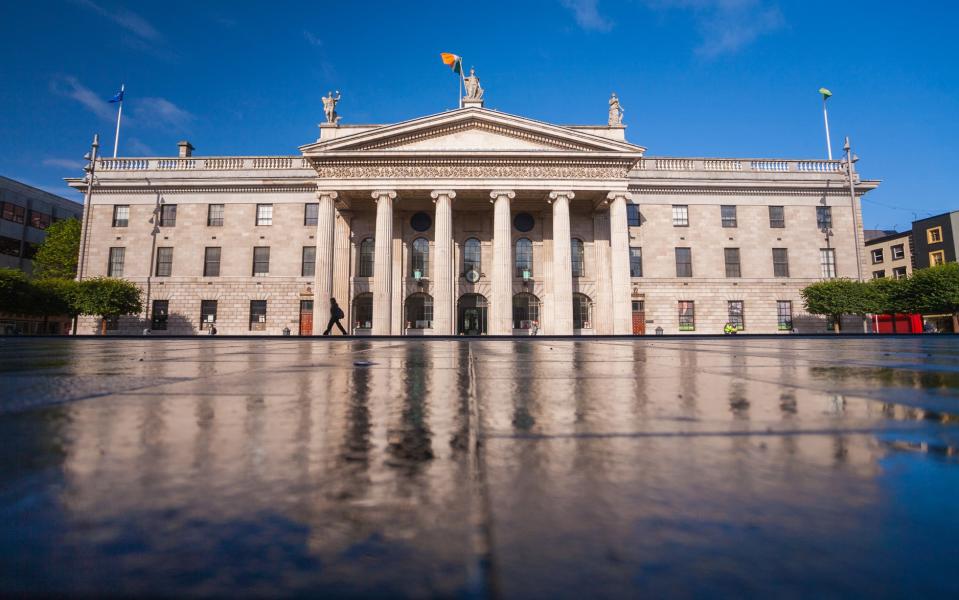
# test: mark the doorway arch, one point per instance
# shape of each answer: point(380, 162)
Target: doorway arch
point(471, 315)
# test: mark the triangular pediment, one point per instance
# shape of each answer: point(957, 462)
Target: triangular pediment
point(471, 130)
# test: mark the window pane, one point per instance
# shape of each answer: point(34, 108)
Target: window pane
point(777, 216)
point(632, 215)
point(160, 314)
point(311, 213)
point(363, 311)
point(877, 256)
point(823, 217)
point(115, 268)
point(525, 311)
point(419, 311)
point(472, 256)
point(827, 262)
point(581, 312)
point(784, 310)
point(578, 257)
point(257, 315)
point(264, 214)
point(214, 216)
point(261, 261)
point(898, 251)
point(365, 268)
point(524, 258)
point(732, 262)
point(736, 316)
point(420, 258)
point(309, 261)
point(121, 215)
point(728, 216)
point(168, 215)
point(684, 262)
point(207, 313)
point(635, 262)
point(687, 315)
point(680, 215)
point(164, 267)
point(780, 262)
point(211, 262)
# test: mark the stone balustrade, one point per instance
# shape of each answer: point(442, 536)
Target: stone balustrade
point(218, 163)
point(737, 165)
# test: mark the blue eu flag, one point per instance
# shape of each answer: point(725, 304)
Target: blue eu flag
point(118, 97)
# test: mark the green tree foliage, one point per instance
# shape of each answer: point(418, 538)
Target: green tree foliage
point(891, 295)
point(935, 291)
point(58, 254)
point(107, 297)
point(15, 292)
point(44, 297)
point(837, 297)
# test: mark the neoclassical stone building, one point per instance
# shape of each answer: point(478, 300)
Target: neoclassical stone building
point(471, 221)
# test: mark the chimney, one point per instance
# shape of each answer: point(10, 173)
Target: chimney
point(186, 149)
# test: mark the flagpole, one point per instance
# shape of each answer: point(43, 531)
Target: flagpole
point(460, 98)
point(116, 138)
point(825, 116)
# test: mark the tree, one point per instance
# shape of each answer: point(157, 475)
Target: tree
point(107, 297)
point(836, 297)
point(935, 290)
point(58, 255)
point(15, 292)
point(890, 297)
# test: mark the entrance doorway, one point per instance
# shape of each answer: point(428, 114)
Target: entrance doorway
point(639, 317)
point(471, 315)
point(306, 317)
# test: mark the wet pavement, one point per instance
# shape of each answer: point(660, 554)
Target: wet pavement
point(544, 468)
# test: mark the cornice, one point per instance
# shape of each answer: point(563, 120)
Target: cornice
point(475, 123)
point(202, 189)
point(741, 190)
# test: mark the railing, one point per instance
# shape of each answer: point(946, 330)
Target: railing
point(739, 165)
point(231, 163)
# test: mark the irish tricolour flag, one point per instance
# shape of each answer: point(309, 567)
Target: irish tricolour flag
point(453, 61)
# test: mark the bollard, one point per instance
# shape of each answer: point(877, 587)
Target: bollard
point(286, 331)
point(659, 331)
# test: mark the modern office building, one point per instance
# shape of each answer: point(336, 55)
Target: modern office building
point(25, 213)
point(936, 240)
point(890, 255)
point(472, 221)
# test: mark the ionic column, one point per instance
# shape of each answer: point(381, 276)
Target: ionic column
point(562, 265)
point(619, 262)
point(383, 262)
point(443, 263)
point(501, 309)
point(323, 278)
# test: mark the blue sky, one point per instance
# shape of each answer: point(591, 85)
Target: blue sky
point(731, 78)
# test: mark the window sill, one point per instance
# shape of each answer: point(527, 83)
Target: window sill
point(418, 332)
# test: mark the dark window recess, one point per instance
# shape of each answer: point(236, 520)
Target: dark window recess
point(9, 246)
point(421, 222)
point(523, 222)
point(39, 220)
point(687, 315)
point(736, 314)
point(257, 315)
point(164, 266)
point(13, 212)
point(635, 262)
point(311, 213)
point(632, 215)
point(823, 217)
point(207, 313)
point(420, 258)
point(524, 258)
point(780, 262)
point(168, 215)
point(214, 215)
point(578, 256)
point(728, 216)
point(115, 266)
point(684, 262)
point(777, 217)
point(261, 261)
point(211, 262)
point(309, 261)
point(160, 315)
point(363, 311)
point(365, 268)
point(732, 262)
point(121, 215)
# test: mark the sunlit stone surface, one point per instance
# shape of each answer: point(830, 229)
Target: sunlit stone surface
point(756, 467)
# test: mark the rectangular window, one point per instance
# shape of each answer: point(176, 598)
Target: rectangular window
point(264, 214)
point(39, 220)
point(728, 216)
point(257, 315)
point(164, 262)
point(261, 261)
point(121, 215)
point(684, 262)
point(115, 268)
point(777, 217)
point(898, 251)
point(207, 313)
point(879, 274)
point(578, 257)
point(365, 268)
point(899, 273)
point(823, 217)
point(736, 316)
point(635, 262)
point(311, 213)
point(827, 262)
point(877, 256)
point(780, 262)
point(214, 215)
point(680, 215)
point(732, 262)
point(160, 314)
point(933, 235)
point(168, 215)
point(13, 212)
point(9, 246)
point(632, 215)
point(309, 261)
point(687, 315)
point(211, 262)
point(937, 258)
point(784, 314)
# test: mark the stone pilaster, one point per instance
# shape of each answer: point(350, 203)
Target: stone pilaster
point(562, 265)
point(602, 301)
point(501, 305)
point(619, 262)
point(443, 320)
point(342, 266)
point(383, 262)
point(325, 239)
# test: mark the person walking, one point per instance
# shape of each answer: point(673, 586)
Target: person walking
point(336, 313)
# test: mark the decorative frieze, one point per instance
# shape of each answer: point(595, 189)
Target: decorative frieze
point(448, 169)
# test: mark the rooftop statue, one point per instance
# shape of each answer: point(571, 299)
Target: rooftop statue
point(615, 111)
point(473, 89)
point(329, 107)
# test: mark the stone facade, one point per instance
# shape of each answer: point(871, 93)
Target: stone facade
point(478, 222)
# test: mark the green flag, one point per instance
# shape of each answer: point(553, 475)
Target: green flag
point(825, 93)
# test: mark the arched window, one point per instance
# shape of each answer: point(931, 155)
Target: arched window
point(472, 256)
point(582, 312)
point(525, 311)
point(363, 311)
point(524, 258)
point(366, 258)
point(578, 256)
point(420, 259)
point(419, 311)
